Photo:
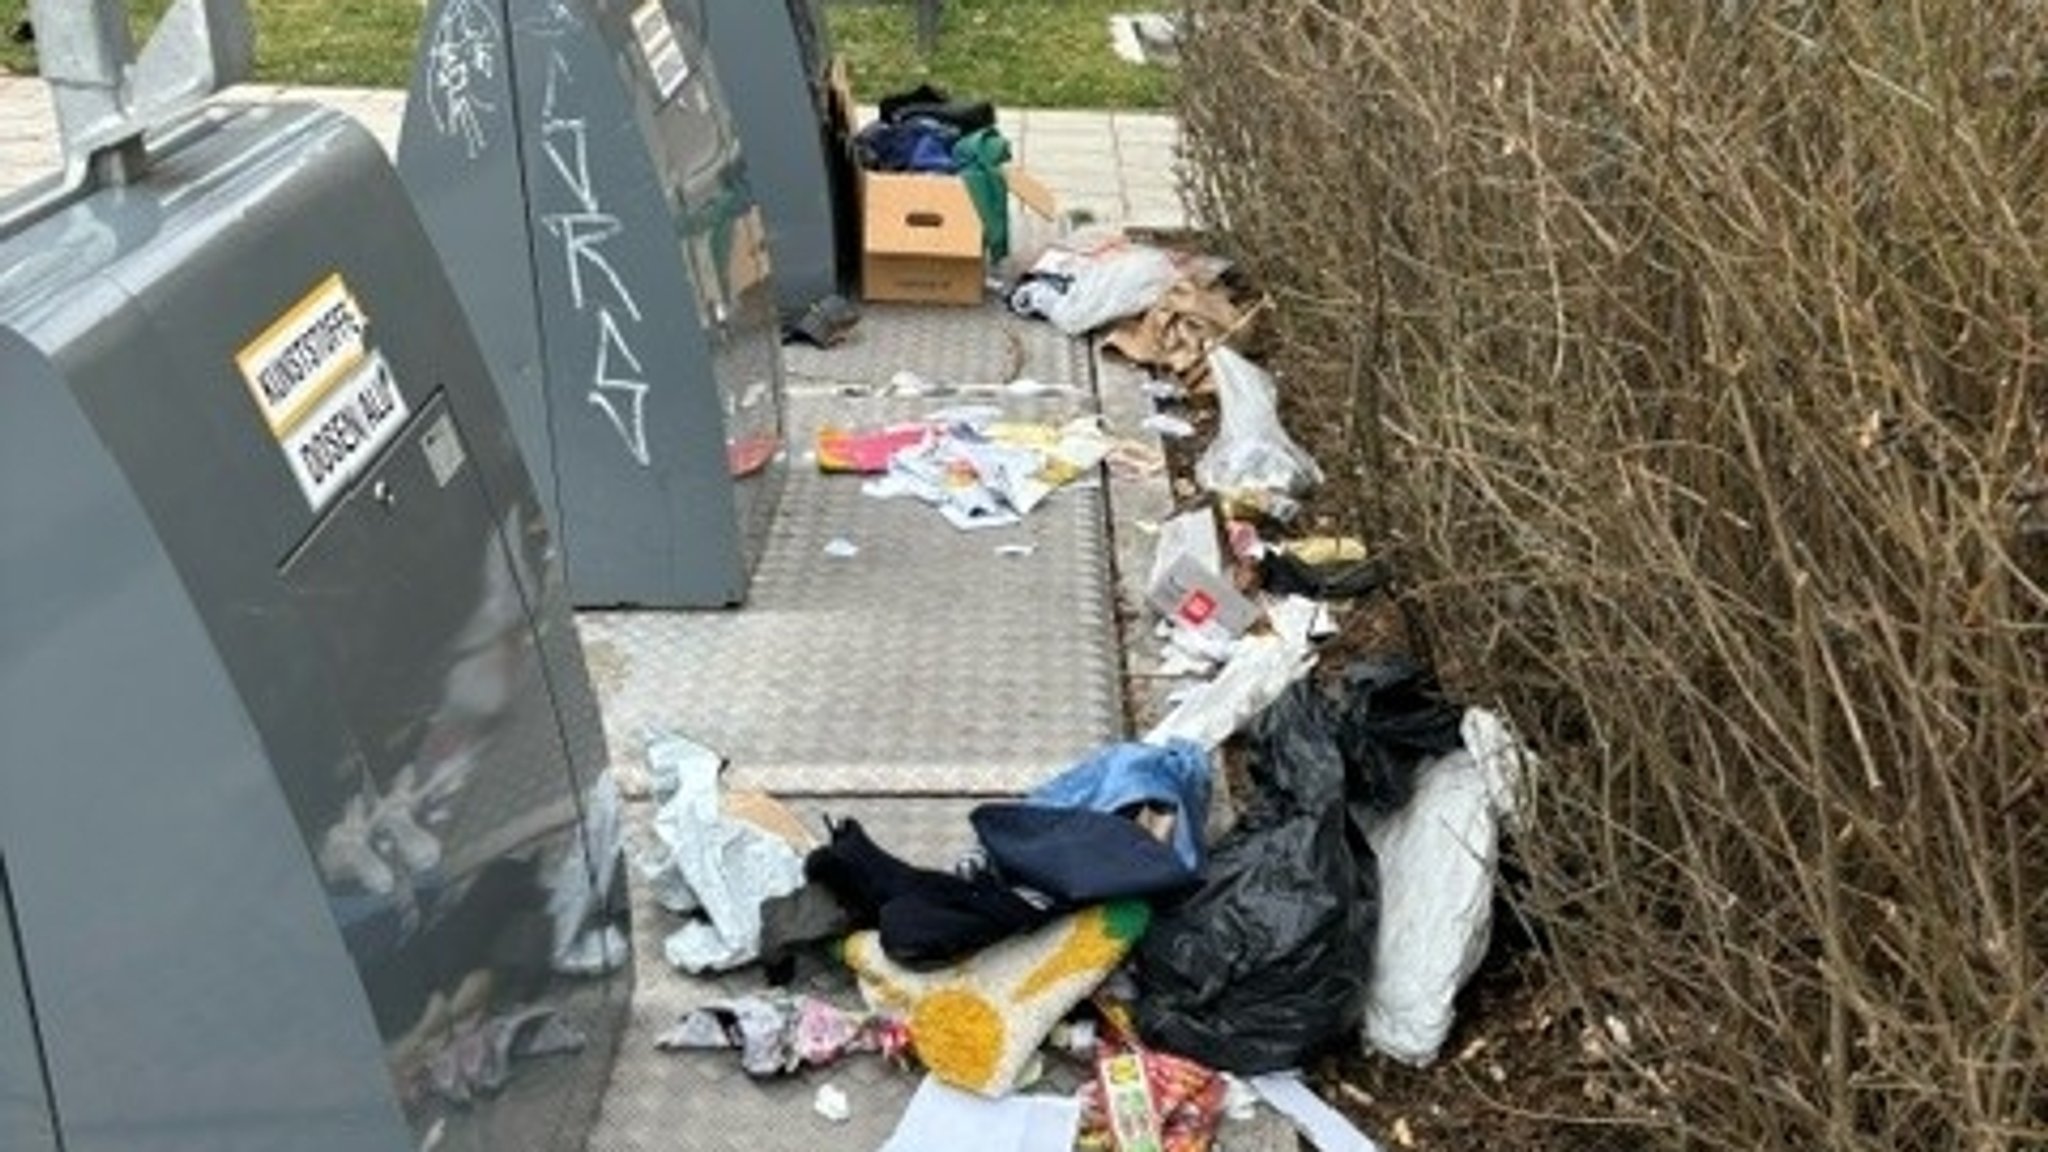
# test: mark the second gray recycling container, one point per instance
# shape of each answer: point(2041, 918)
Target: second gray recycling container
point(578, 171)
point(777, 57)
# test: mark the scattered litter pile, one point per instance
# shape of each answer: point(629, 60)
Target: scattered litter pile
point(1109, 923)
point(977, 469)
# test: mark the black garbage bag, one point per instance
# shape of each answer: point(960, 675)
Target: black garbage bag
point(1270, 959)
point(927, 102)
point(1392, 718)
point(1283, 574)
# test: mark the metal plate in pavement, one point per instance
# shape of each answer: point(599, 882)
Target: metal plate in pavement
point(986, 345)
point(925, 663)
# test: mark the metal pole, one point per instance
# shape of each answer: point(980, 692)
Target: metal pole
point(82, 49)
point(106, 98)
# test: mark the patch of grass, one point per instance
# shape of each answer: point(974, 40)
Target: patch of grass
point(354, 43)
point(1017, 53)
point(14, 57)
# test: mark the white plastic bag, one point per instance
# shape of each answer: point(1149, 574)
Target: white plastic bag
point(1436, 859)
point(707, 863)
point(1100, 286)
point(1251, 452)
point(1259, 670)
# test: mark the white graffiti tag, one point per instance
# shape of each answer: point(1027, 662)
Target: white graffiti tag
point(617, 389)
point(632, 423)
point(463, 52)
point(583, 235)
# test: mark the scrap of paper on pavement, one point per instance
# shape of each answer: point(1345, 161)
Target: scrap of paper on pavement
point(942, 1118)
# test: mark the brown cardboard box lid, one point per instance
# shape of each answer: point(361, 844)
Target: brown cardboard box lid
point(1031, 192)
point(909, 215)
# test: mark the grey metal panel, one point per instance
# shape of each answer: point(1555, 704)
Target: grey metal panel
point(25, 1121)
point(620, 198)
point(460, 156)
point(410, 595)
point(954, 347)
point(192, 990)
point(141, 313)
point(773, 72)
point(926, 663)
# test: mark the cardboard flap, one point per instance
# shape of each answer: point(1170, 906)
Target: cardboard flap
point(839, 102)
point(920, 216)
point(1031, 192)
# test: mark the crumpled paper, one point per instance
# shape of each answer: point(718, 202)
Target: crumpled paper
point(776, 1035)
point(981, 473)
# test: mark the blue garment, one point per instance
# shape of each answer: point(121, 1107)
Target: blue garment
point(913, 145)
point(1119, 775)
point(1078, 856)
point(931, 147)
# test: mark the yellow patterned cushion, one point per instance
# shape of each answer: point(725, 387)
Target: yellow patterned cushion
point(976, 1024)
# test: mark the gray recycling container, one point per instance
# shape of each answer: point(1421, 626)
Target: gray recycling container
point(299, 798)
point(775, 57)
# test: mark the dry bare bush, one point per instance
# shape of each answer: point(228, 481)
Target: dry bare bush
point(1690, 359)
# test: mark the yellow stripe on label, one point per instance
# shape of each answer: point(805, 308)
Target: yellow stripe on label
point(300, 357)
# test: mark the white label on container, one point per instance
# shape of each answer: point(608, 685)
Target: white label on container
point(341, 435)
point(291, 365)
point(443, 449)
point(663, 50)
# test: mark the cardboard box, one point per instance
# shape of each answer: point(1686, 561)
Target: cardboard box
point(1188, 585)
point(920, 235)
point(920, 239)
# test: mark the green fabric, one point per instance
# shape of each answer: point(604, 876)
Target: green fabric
point(980, 157)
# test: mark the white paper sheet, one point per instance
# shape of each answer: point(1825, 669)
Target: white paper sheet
point(1325, 1127)
point(942, 1118)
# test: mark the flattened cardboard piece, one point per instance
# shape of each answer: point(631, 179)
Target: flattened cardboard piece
point(1031, 192)
point(771, 816)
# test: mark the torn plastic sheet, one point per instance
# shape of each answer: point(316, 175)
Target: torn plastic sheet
point(1204, 645)
point(1259, 670)
point(1180, 661)
point(708, 864)
point(1300, 620)
point(1437, 857)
